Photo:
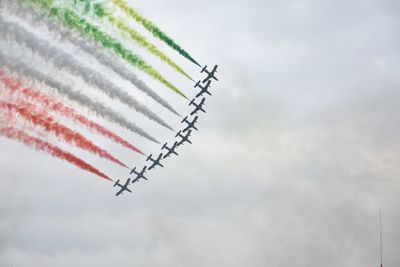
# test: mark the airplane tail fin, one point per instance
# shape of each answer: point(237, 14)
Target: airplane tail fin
point(197, 84)
point(149, 157)
point(178, 134)
point(116, 183)
point(204, 68)
point(184, 119)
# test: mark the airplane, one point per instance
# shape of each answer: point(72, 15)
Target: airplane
point(197, 106)
point(170, 150)
point(210, 73)
point(185, 138)
point(155, 161)
point(139, 175)
point(123, 187)
point(203, 89)
point(190, 124)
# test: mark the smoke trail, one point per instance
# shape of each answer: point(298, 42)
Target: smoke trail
point(48, 103)
point(150, 26)
point(72, 95)
point(38, 144)
point(70, 19)
point(61, 131)
point(141, 41)
point(64, 61)
point(90, 47)
point(137, 37)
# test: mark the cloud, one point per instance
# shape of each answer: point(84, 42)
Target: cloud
point(297, 152)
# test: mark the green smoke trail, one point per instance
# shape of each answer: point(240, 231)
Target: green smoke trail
point(153, 29)
point(70, 19)
point(134, 35)
point(100, 11)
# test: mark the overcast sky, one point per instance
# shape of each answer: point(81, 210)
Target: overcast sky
point(297, 153)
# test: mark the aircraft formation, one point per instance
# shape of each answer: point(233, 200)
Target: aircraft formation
point(48, 42)
point(182, 136)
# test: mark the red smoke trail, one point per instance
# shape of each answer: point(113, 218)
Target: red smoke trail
point(51, 104)
point(51, 149)
point(59, 130)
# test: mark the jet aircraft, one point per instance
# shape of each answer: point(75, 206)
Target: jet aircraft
point(190, 124)
point(203, 89)
point(123, 187)
point(155, 161)
point(210, 74)
point(198, 107)
point(139, 175)
point(184, 138)
point(170, 150)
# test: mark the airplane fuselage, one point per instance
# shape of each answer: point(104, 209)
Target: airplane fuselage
point(185, 138)
point(198, 108)
point(155, 164)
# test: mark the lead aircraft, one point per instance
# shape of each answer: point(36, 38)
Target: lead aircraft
point(210, 74)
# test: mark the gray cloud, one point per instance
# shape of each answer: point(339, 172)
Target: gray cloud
point(297, 152)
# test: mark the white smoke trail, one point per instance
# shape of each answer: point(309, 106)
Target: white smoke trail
point(98, 108)
point(64, 61)
point(88, 46)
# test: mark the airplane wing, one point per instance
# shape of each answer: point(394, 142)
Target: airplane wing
point(209, 77)
point(119, 192)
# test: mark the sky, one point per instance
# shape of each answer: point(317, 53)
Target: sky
point(298, 150)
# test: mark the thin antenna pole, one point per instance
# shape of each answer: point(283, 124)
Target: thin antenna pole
point(380, 231)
